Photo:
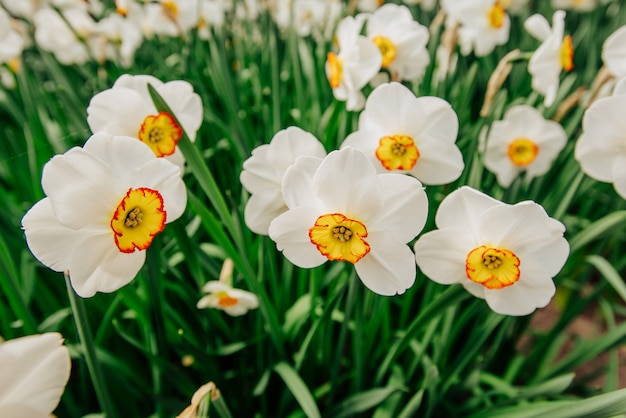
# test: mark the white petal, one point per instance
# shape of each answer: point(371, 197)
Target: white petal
point(215, 286)
point(387, 109)
point(164, 177)
point(184, 103)
point(389, 267)
point(405, 207)
point(98, 266)
point(290, 231)
point(298, 183)
point(441, 255)
point(121, 153)
point(538, 26)
point(35, 370)
point(614, 52)
point(118, 111)
point(347, 183)
point(619, 175)
point(463, 208)
point(262, 208)
point(291, 143)
point(519, 299)
point(258, 174)
point(49, 241)
point(439, 162)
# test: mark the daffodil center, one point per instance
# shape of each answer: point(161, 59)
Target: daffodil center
point(338, 237)
point(567, 54)
point(494, 268)
point(397, 152)
point(170, 8)
point(387, 49)
point(335, 70)
point(496, 16)
point(522, 151)
point(225, 300)
point(137, 219)
point(161, 133)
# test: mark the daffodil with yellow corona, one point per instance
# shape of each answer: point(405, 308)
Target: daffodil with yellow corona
point(348, 212)
point(505, 254)
point(104, 204)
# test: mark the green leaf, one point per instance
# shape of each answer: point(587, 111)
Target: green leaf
point(298, 389)
point(363, 401)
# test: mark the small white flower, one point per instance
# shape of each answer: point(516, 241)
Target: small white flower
point(401, 41)
point(505, 254)
point(104, 204)
point(126, 109)
point(11, 42)
point(356, 63)
point(347, 212)
point(484, 24)
point(554, 55)
point(116, 38)
point(407, 134)
point(578, 5)
point(234, 302)
point(263, 173)
point(614, 52)
point(600, 149)
point(35, 370)
point(522, 142)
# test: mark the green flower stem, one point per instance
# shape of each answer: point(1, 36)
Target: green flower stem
point(89, 350)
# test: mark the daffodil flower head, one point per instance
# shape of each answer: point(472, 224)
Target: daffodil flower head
point(126, 109)
point(484, 24)
point(552, 57)
point(263, 173)
point(524, 141)
point(600, 149)
point(348, 212)
point(401, 41)
point(104, 204)
point(234, 302)
point(403, 133)
point(35, 370)
point(354, 65)
point(505, 254)
point(614, 52)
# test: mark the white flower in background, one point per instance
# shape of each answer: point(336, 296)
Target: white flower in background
point(554, 55)
point(126, 109)
point(524, 141)
point(53, 34)
point(578, 5)
point(356, 63)
point(234, 302)
point(171, 17)
point(426, 5)
point(347, 212)
point(505, 254)
point(369, 6)
point(306, 16)
point(11, 42)
point(614, 52)
point(116, 39)
point(515, 7)
point(211, 15)
point(600, 149)
point(263, 172)
point(401, 41)
point(407, 134)
point(484, 24)
point(35, 370)
point(104, 205)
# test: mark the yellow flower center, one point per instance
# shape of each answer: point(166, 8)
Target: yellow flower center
point(137, 219)
point(387, 49)
point(567, 54)
point(496, 16)
point(494, 268)
point(397, 152)
point(339, 238)
point(522, 151)
point(225, 300)
point(170, 8)
point(161, 133)
point(335, 70)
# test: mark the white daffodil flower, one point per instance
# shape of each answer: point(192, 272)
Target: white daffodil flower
point(11, 42)
point(484, 24)
point(403, 133)
point(263, 173)
point(524, 141)
point(126, 109)
point(505, 254)
point(401, 41)
point(104, 204)
point(116, 38)
point(356, 63)
point(234, 302)
point(554, 55)
point(578, 5)
point(347, 212)
point(614, 52)
point(35, 370)
point(600, 149)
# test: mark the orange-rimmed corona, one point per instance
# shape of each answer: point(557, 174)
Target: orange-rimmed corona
point(338, 237)
point(137, 219)
point(335, 69)
point(567, 54)
point(522, 151)
point(397, 152)
point(161, 133)
point(494, 268)
point(387, 49)
point(496, 15)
